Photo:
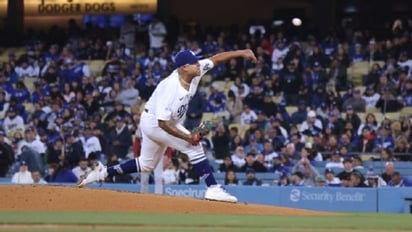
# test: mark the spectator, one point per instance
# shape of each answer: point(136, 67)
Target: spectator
point(384, 139)
point(356, 180)
point(309, 173)
point(230, 178)
point(311, 126)
point(169, 175)
point(251, 178)
point(221, 140)
point(338, 74)
point(403, 147)
point(280, 51)
point(297, 179)
point(128, 34)
point(60, 173)
point(195, 111)
point(255, 98)
point(386, 155)
point(404, 61)
point(331, 180)
point(301, 114)
point(12, 122)
point(24, 69)
point(320, 181)
point(247, 116)
point(6, 155)
point(238, 157)
point(216, 100)
point(32, 142)
point(352, 117)
point(356, 101)
point(366, 140)
point(370, 122)
point(54, 151)
point(227, 165)
point(357, 163)
point(120, 139)
point(82, 169)
point(399, 181)
point(23, 176)
point(345, 175)
point(278, 165)
point(407, 94)
point(387, 102)
point(235, 107)
point(374, 180)
point(251, 163)
point(334, 123)
point(389, 171)
point(129, 96)
point(370, 97)
point(254, 145)
point(37, 179)
point(373, 75)
point(335, 160)
point(73, 151)
point(358, 55)
point(290, 81)
point(73, 70)
point(91, 142)
point(157, 34)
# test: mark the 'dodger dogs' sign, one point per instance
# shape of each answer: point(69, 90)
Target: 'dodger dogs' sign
point(81, 7)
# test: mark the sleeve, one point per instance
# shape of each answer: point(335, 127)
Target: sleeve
point(97, 145)
point(163, 111)
point(86, 70)
point(205, 66)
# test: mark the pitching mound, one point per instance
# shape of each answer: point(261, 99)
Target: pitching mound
point(56, 198)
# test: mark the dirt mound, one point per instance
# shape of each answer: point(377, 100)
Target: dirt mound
point(57, 198)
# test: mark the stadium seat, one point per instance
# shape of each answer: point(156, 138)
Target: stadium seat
point(392, 116)
point(406, 111)
point(96, 67)
point(242, 128)
point(29, 83)
point(29, 107)
point(372, 110)
point(291, 109)
point(379, 117)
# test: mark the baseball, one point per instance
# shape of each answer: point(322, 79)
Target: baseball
point(296, 22)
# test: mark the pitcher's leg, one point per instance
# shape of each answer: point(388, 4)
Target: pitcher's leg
point(158, 176)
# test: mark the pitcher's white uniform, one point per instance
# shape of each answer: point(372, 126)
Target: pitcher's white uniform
point(169, 101)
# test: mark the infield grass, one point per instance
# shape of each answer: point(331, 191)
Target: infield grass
point(89, 221)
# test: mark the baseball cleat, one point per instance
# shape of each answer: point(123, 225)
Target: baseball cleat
point(218, 193)
point(97, 174)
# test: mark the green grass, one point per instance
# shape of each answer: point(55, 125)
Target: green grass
point(89, 221)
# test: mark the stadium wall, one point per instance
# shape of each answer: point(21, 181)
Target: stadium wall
point(374, 200)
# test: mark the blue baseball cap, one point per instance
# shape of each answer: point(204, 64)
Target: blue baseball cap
point(185, 57)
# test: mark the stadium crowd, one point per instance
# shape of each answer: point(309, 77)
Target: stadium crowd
point(298, 111)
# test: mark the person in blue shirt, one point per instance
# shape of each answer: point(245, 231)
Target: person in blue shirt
point(385, 139)
point(399, 181)
point(21, 93)
point(407, 94)
point(297, 179)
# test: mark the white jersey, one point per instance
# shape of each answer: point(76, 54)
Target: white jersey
point(35, 145)
point(157, 33)
point(15, 124)
point(170, 100)
point(91, 144)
